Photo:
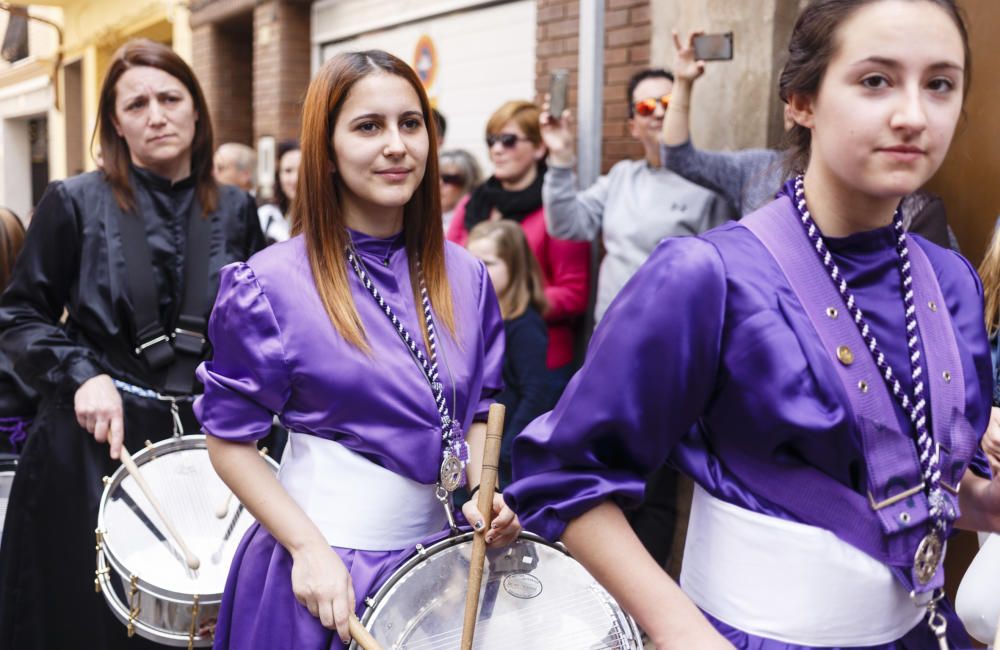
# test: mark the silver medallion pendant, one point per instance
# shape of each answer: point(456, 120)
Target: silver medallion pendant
point(451, 472)
point(928, 557)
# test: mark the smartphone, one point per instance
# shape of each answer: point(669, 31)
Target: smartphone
point(713, 47)
point(558, 83)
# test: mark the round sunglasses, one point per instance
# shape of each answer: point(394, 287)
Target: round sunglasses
point(647, 107)
point(508, 140)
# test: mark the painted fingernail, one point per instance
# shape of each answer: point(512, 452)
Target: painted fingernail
point(479, 525)
point(489, 539)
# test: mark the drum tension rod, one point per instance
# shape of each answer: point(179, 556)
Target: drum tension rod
point(194, 622)
point(99, 534)
point(133, 598)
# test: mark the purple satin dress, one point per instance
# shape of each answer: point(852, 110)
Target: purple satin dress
point(276, 352)
point(707, 359)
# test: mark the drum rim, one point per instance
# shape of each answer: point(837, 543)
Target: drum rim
point(452, 540)
point(147, 453)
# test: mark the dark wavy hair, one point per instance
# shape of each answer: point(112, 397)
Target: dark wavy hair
point(114, 149)
point(813, 44)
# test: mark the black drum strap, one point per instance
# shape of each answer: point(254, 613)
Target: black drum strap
point(180, 351)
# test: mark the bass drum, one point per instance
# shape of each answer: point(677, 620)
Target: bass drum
point(8, 463)
point(534, 595)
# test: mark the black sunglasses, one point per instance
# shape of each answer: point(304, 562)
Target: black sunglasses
point(453, 179)
point(508, 140)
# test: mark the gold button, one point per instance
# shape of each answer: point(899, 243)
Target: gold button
point(947, 376)
point(863, 386)
point(932, 305)
point(845, 355)
point(831, 312)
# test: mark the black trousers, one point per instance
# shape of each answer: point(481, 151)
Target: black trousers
point(47, 556)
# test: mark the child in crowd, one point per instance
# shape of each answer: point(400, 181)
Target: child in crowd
point(513, 269)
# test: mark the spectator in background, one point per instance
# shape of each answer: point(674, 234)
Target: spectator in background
point(637, 203)
point(517, 280)
point(441, 126)
point(514, 191)
point(235, 164)
point(746, 179)
point(749, 179)
point(274, 217)
point(17, 401)
point(459, 174)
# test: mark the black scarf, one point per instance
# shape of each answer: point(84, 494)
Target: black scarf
point(512, 205)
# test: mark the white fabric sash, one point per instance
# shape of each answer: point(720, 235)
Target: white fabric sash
point(788, 581)
point(354, 502)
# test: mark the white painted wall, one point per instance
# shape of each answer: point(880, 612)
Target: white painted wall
point(486, 55)
point(18, 103)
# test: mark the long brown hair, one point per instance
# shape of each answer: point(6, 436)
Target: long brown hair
point(114, 149)
point(525, 287)
point(11, 241)
point(989, 273)
point(317, 212)
point(810, 49)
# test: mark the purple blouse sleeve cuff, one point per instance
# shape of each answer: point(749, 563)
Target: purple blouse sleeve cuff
point(246, 380)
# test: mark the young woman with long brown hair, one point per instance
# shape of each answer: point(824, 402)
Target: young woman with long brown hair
point(132, 254)
point(376, 345)
point(821, 375)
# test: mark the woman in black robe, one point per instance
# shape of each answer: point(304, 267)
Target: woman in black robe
point(131, 253)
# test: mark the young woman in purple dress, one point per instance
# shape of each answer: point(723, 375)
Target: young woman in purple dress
point(823, 376)
point(375, 343)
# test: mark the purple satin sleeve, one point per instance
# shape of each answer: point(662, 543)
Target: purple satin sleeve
point(493, 346)
point(649, 375)
point(246, 380)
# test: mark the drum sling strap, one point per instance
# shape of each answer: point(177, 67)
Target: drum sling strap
point(175, 356)
point(877, 523)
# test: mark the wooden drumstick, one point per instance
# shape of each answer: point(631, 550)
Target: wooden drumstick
point(190, 558)
point(487, 483)
point(223, 508)
point(362, 636)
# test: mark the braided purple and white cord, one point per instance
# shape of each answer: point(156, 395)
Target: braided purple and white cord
point(450, 430)
point(927, 448)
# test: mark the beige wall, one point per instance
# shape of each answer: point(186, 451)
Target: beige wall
point(735, 102)
point(968, 180)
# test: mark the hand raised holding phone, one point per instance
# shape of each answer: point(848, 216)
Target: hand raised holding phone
point(556, 123)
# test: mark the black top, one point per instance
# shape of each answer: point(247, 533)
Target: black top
point(527, 391)
point(72, 259)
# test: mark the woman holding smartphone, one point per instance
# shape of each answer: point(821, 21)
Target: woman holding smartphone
point(821, 375)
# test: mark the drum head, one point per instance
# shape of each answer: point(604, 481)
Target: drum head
point(533, 596)
point(136, 540)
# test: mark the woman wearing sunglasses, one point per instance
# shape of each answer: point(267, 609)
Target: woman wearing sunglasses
point(514, 191)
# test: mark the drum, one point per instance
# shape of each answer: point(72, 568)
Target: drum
point(534, 595)
point(977, 602)
point(140, 569)
point(8, 463)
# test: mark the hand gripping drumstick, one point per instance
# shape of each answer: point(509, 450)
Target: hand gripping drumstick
point(487, 482)
point(362, 636)
point(190, 558)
